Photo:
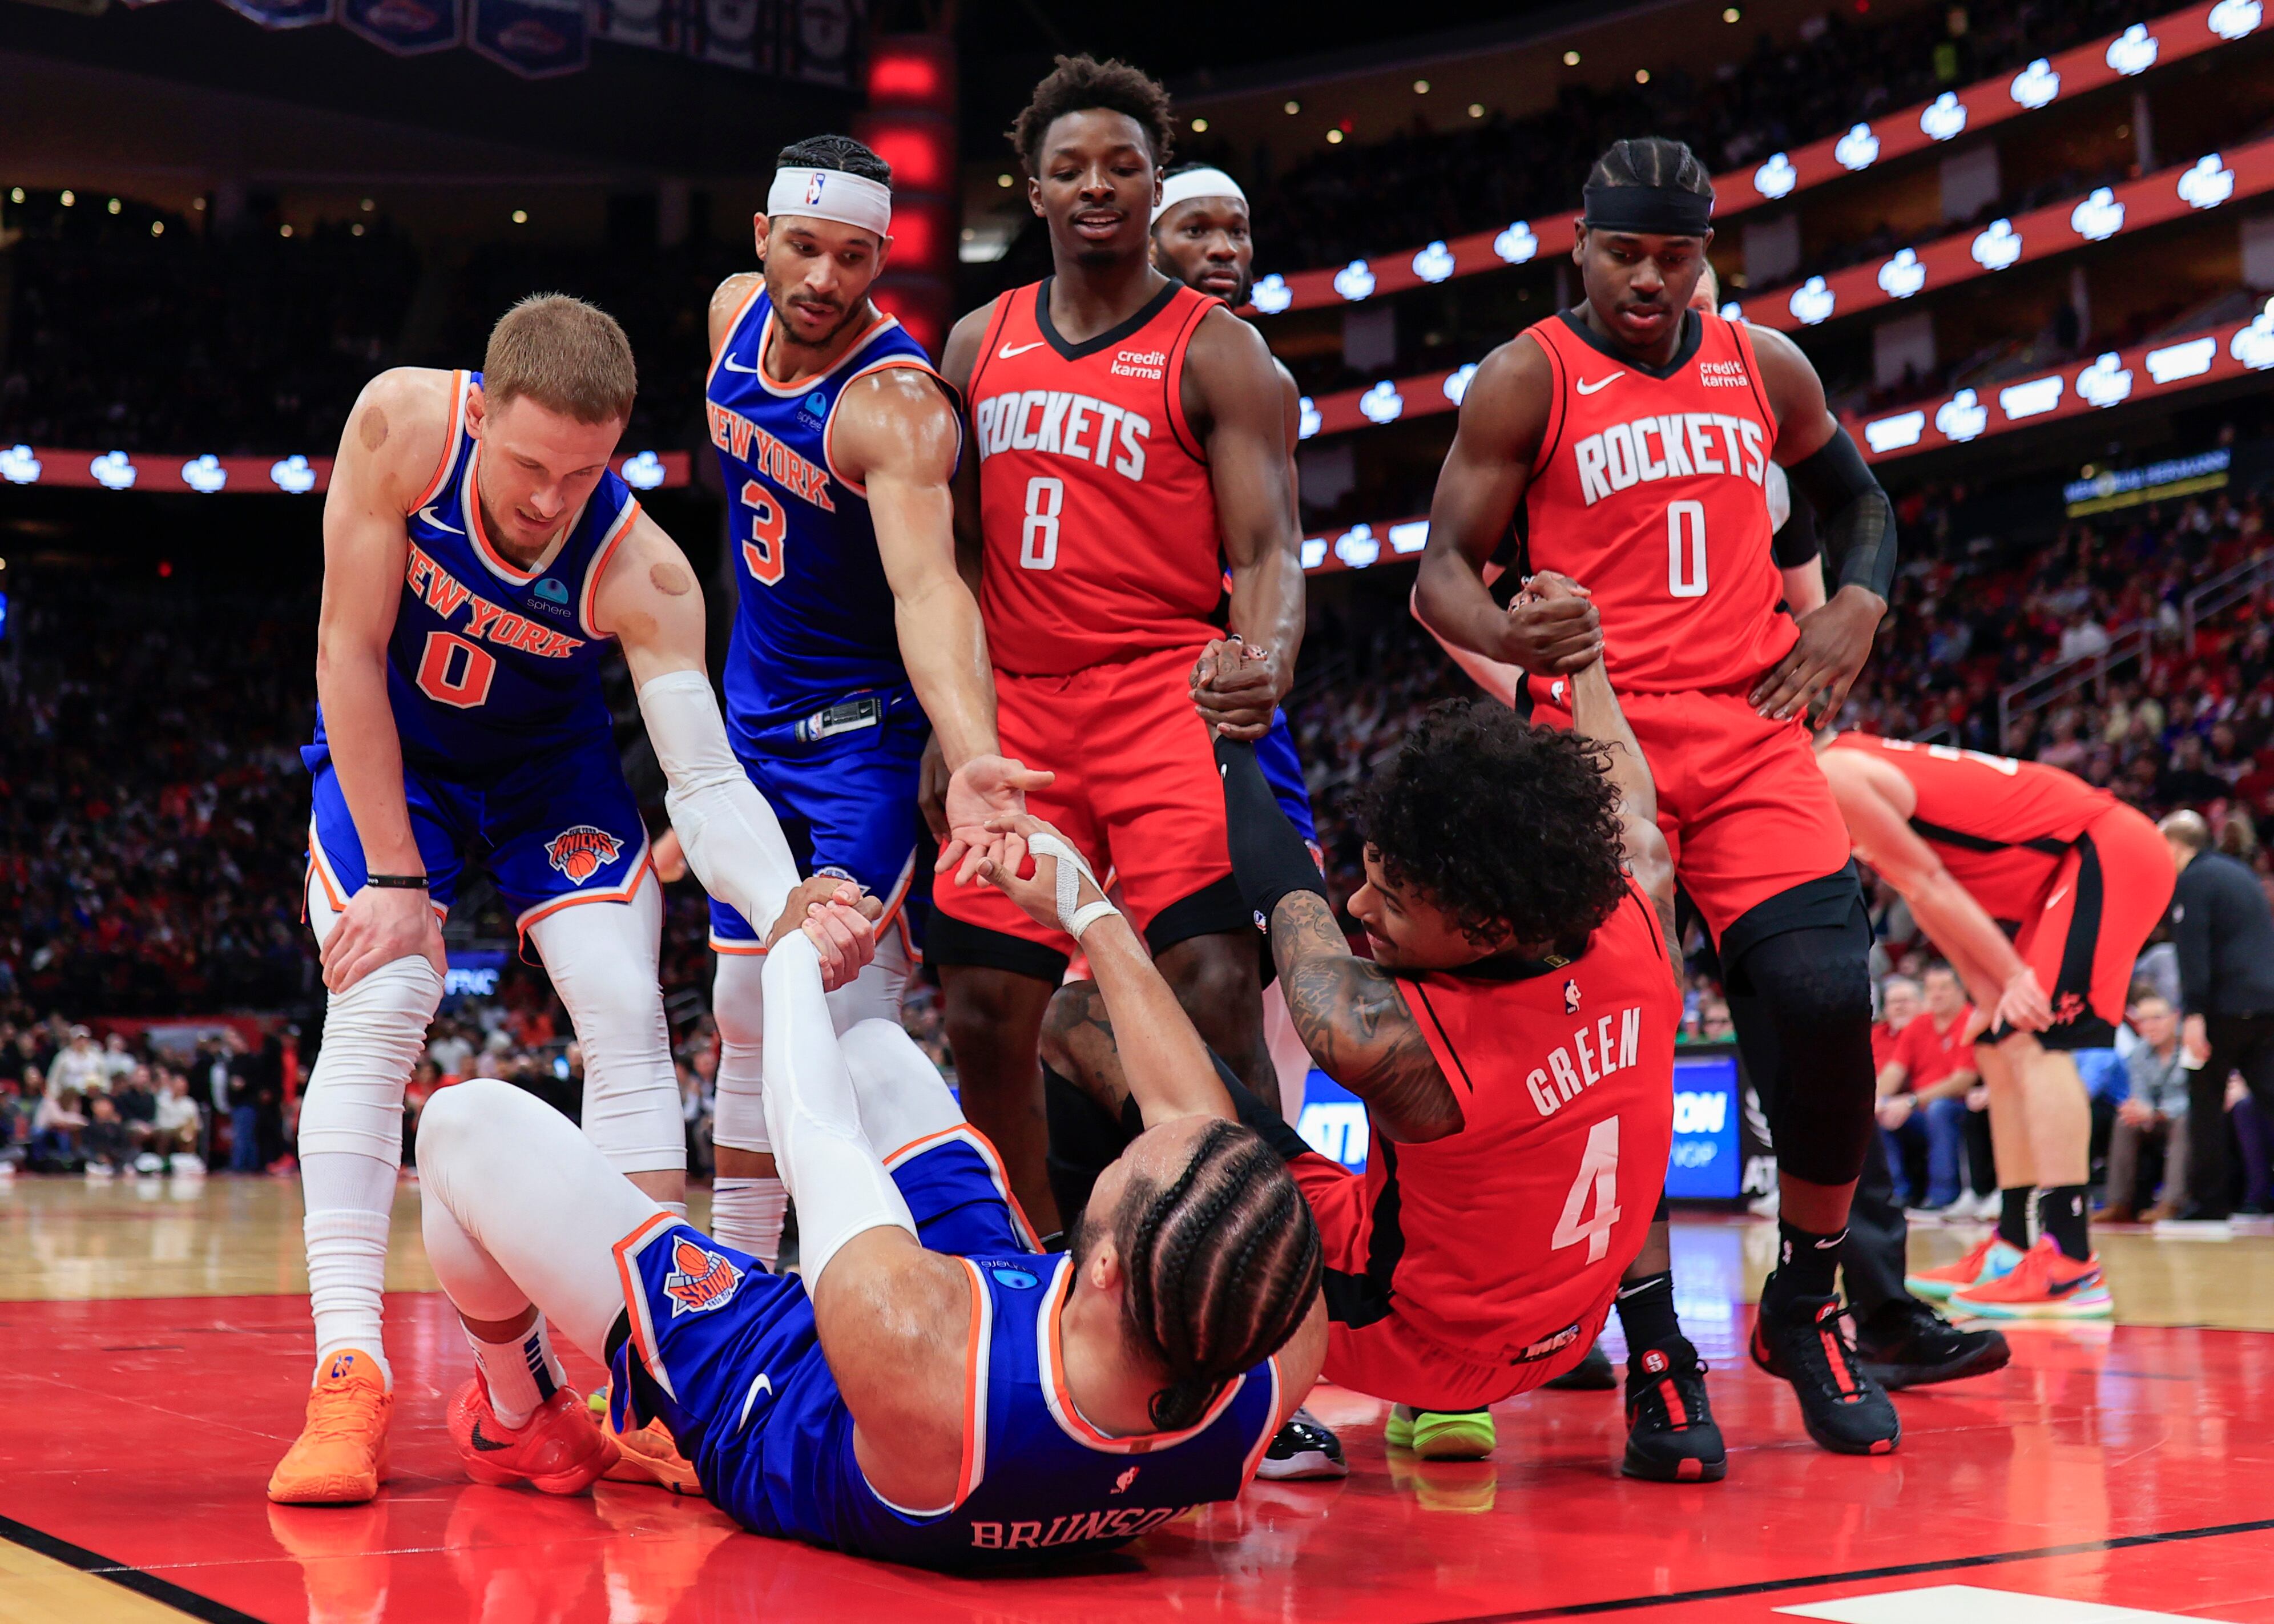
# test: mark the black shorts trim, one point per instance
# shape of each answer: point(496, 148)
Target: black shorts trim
point(2087, 1028)
point(1831, 901)
point(951, 941)
point(1215, 909)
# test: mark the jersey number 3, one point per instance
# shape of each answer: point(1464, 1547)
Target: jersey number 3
point(762, 553)
point(1598, 1183)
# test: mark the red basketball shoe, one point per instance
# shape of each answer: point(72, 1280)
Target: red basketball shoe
point(560, 1451)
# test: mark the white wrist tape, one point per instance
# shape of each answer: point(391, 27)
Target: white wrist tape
point(732, 839)
point(1072, 872)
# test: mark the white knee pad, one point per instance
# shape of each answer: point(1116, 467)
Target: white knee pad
point(903, 1096)
point(738, 1006)
point(601, 958)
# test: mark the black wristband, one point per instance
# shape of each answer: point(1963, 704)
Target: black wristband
point(396, 882)
point(1269, 859)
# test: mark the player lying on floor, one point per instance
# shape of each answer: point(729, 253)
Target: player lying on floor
point(934, 1390)
point(1513, 1040)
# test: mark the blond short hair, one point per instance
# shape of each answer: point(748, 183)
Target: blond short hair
point(566, 355)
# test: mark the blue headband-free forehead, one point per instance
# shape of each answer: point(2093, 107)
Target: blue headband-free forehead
point(1658, 211)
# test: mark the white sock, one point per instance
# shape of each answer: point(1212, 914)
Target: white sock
point(747, 1215)
point(677, 1209)
point(346, 1270)
point(520, 1372)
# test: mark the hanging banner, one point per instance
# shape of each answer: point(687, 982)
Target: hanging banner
point(285, 13)
point(736, 34)
point(407, 27)
point(823, 40)
point(536, 39)
point(654, 23)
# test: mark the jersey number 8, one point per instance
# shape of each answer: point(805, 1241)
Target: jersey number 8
point(762, 554)
point(1038, 537)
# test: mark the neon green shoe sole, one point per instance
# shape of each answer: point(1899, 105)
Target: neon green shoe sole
point(1437, 1435)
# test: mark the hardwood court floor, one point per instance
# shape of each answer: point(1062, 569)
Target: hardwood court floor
point(159, 1352)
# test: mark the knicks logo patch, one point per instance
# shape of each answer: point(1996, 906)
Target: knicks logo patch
point(700, 1280)
point(582, 852)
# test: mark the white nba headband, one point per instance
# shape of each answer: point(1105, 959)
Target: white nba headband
point(1196, 183)
point(831, 194)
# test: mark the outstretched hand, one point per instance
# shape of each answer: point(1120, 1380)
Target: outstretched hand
point(839, 919)
point(1037, 894)
point(984, 788)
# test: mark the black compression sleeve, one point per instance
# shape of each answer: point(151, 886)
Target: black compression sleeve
point(1859, 525)
point(1269, 859)
point(1795, 542)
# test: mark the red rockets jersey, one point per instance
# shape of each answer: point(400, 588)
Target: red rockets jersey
point(2000, 826)
point(1527, 1216)
point(1647, 491)
point(1099, 524)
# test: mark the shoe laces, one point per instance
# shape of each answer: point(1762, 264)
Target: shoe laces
point(337, 1411)
point(1821, 1349)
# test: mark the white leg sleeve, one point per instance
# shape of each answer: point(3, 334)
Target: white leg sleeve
point(903, 1096)
point(813, 1116)
point(732, 841)
point(350, 1143)
point(521, 1208)
point(602, 959)
point(877, 992)
point(738, 1006)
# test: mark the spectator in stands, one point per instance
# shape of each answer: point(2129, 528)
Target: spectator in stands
point(174, 1129)
point(1923, 1091)
point(243, 1103)
point(1899, 1004)
point(2153, 1112)
point(79, 1070)
point(103, 1143)
point(55, 1128)
point(2223, 929)
point(450, 1050)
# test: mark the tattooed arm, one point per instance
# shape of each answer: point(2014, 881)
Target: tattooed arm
point(1353, 1018)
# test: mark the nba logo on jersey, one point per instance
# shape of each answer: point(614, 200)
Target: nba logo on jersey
point(1570, 997)
point(1121, 1484)
point(582, 852)
point(700, 1280)
point(813, 186)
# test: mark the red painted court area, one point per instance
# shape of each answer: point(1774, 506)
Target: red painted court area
point(2128, 1467)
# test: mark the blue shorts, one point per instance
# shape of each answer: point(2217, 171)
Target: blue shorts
point(1283, 771)
point(552, 830)
point(727, 1354)
point(847, 804)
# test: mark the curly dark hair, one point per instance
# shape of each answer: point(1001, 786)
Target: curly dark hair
point(834, 152)
point(1079, 84)
point(1508, 827)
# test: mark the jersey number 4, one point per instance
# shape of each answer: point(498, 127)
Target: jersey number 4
point(1598, 1183)
point(762, 553)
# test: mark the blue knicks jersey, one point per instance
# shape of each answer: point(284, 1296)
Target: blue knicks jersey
point(490, 663)
point(814, 622)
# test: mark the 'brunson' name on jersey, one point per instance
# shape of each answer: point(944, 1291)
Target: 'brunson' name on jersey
point(1676, 445)
point(1066, 425)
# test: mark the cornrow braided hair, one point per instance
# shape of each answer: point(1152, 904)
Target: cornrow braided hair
point(1222, 1265)
point(1650, 161)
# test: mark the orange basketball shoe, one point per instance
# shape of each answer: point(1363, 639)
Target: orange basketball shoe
point(2045, 1284)
point(560, 1451)
point(1991, 1258)
point(340, 1458)
point(651, 1454)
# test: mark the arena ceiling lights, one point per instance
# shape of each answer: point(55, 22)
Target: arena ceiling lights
point(2143, 371)
point(208, 475)
point(2042, 83)
point(2205, 183)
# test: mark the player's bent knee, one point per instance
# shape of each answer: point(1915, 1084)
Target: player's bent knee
point(1076, 1008)
point(1214, 979)
point(456, 1117)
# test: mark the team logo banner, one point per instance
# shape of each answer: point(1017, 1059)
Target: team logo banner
point(655, 23)
point(536, 39)
point(738, 34)
point(407, 27)
point(823, 40)
point(285, 13)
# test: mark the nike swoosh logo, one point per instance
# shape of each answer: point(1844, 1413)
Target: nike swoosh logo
point(427, 514)
point(1007, 353)
point(747, 372)
point(1585, 387)
point(760, 1385)
point(486, 1445)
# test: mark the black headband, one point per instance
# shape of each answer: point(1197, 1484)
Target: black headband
point(1658, 211)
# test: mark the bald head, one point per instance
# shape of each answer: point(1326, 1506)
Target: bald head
point(2187, 834)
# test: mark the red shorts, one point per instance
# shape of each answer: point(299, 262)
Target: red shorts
point(1391, 1356)
point(1137, 792)
point(1741, 801)
point(2083, 938)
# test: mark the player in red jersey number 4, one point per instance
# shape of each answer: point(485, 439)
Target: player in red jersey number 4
point(1636, 434)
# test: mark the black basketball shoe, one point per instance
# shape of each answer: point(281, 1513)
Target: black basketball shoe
point(1907, 1344)
point(1671, 1436)
point(1592, 1374)
point(1844, 1409)
point(1303, 1449)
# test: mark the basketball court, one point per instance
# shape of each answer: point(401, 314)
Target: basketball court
point(158, 1334)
